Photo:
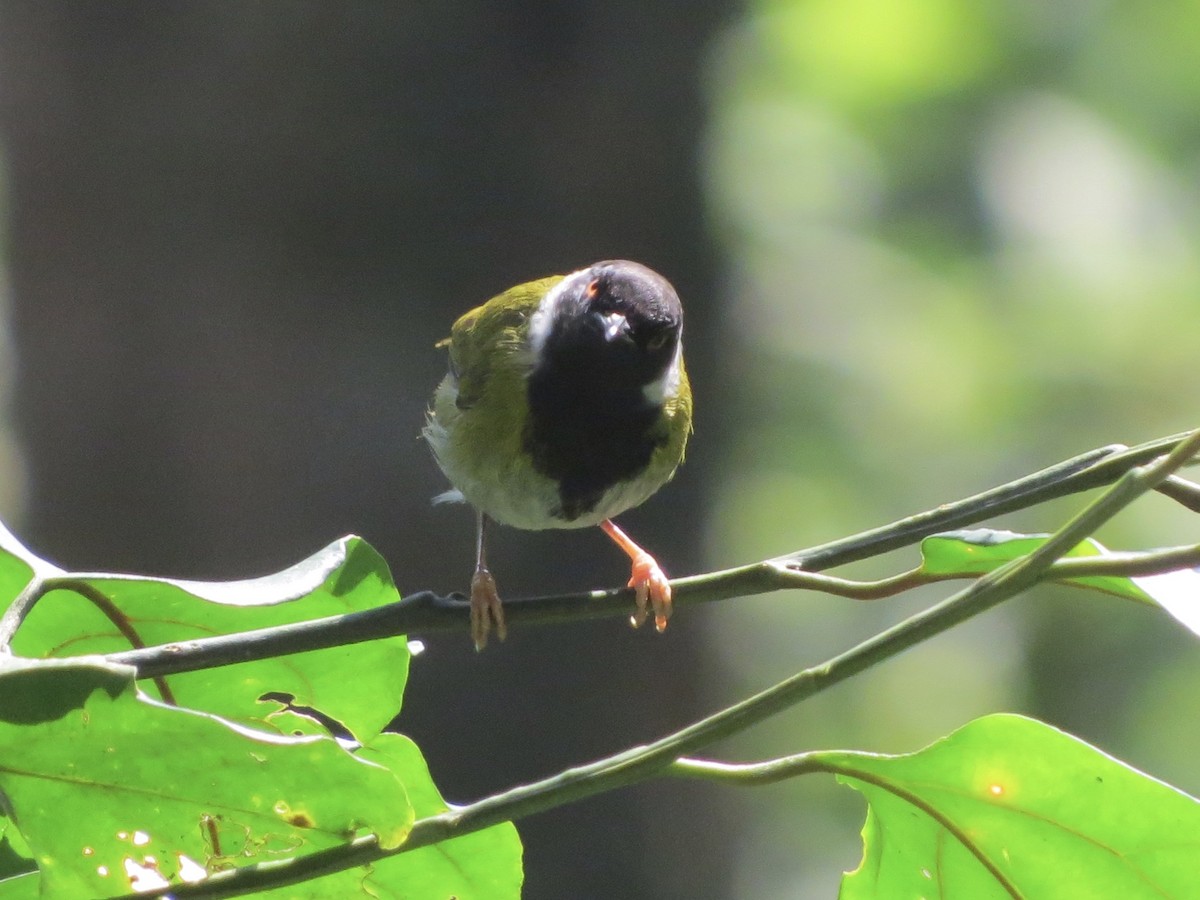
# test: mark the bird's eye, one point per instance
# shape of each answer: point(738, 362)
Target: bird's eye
point(593, 288)
point(658, 341)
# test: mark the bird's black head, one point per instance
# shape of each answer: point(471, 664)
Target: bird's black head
point(617, 319)
point(607, 359)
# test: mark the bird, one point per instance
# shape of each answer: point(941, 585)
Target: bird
point(566, 404)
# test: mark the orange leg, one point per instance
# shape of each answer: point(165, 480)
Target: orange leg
point(648, 580)
point(485, 601)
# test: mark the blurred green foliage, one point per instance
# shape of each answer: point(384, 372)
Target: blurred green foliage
point(964, 243)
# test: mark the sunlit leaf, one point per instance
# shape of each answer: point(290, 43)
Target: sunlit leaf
point(18, 876)
point(112, 790)
point(978, 551)
point(485, 865)
point(1176, 592)
point(1010, 807)
point(19, 887)
point(17, 566)
point(360, 686)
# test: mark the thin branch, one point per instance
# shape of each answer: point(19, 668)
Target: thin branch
point(641, 763)
point(1182, 491)
point(19, 609)
point(40, 586)
point(750, 774)
point(424, 611)
point(1093, 469)
point(1128, 565)
point(1113, 564)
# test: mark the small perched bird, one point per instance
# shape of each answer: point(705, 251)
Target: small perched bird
point(566, 404)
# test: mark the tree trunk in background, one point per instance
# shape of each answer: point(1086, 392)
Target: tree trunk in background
point(235, 232)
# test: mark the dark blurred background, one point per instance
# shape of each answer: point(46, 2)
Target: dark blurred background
point(924, 247)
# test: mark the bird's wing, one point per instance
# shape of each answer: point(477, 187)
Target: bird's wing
point(492, 335)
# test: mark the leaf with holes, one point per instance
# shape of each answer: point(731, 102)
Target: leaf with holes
point(112, 791)
point(484, 865)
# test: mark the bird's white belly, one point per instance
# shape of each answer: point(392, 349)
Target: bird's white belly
point(508, 489)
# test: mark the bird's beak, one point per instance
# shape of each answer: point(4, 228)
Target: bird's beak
point(615, 326)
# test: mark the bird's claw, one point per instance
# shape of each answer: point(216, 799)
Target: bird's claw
point(652, 592)
point(486, 610)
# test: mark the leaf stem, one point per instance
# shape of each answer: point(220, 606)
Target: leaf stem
point(40, 586)
point(19, 609)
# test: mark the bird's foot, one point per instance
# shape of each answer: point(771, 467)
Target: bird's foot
point(486, 610)
point(649, 582)
point(652, 591)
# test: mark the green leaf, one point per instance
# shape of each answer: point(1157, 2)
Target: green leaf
point(1010, 807)
point(17, 566)
point(977, 551)
point(360, 686)
point(10, 546)
point(485, 865)
point(18, 872)
point(19, 887)
point(110, 783)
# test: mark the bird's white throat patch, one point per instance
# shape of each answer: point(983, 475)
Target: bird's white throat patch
point(661, 389)
point(543, 317)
